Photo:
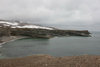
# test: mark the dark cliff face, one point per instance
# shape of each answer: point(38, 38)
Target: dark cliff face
point(7, 31)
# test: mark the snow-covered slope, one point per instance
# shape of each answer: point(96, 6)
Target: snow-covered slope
point(19, 24)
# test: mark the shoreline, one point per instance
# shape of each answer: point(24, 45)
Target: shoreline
point(7, 39)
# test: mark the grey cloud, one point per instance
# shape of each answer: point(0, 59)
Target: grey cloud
point(68, 12)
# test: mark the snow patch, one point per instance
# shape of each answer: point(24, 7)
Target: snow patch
point(17, 25)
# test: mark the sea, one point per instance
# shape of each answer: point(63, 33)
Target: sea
point(57, 46)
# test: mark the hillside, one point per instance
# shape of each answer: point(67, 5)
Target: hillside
point(17, 28)
point(20, 24)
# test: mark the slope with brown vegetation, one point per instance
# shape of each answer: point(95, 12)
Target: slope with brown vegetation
point(49, 61)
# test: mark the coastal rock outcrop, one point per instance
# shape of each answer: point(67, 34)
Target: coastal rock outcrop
point(16, 28)
point(41, 33)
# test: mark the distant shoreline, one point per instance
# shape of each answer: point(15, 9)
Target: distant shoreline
point(7, 39)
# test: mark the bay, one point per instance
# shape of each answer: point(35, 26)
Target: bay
point(57, 46)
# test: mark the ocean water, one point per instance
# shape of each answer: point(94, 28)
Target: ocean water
point(57, 46)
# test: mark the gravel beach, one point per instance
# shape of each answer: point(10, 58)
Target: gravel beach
point(50, 61)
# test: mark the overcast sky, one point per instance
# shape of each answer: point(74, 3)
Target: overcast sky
point(65, 12)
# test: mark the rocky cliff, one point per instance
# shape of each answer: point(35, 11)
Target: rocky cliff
point(41, 32)
point(24, 29)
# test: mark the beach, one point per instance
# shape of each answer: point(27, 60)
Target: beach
point(6, 39)
point(50, 61)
